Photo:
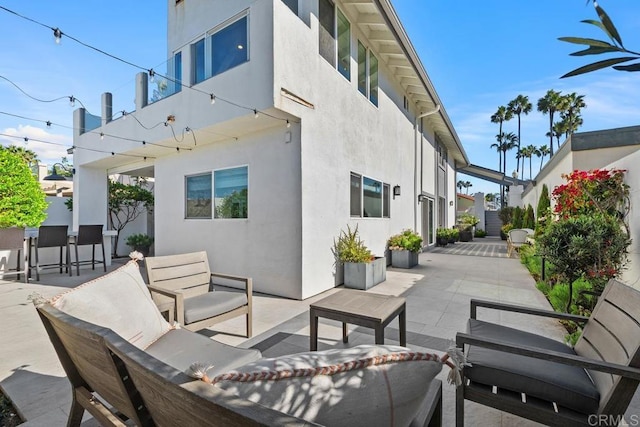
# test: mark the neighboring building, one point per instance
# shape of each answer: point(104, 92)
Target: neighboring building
point(466, 203)
point(349, 131)
point(605, 149)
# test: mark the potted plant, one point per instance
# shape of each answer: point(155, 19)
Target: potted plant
point(504, 230)
point(442, 236)
point(22, 201)
point(466, 224)
point(140, 242)
point(404, 249)
point(362, 270)
point(454, 235)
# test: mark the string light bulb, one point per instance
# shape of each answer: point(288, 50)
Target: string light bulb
point(213, 98)
point(101, 136)
point(288, 124)
point(72, 101)
point(255, 113)
point(124, 115)
point(57, 34)
point(48, 123)
point(187, 129)
point(152, 75)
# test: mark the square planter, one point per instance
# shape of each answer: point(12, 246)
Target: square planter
point(363, 276)
point(466, 235)
point(404, 259)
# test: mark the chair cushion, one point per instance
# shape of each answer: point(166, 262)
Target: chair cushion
point(180, 348)
point(343, 387)
point(119, 301)
point(568, 386)
point(211, 304)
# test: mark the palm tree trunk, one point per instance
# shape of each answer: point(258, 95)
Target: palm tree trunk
point(541, 162)
point(551, 131)
point(518, 163)
point(530, 166)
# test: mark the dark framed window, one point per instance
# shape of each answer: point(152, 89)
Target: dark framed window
point(229, 47)
point(344, 45)
point(367, 73)
point(373, 79)
point(231, 191)
point(198, 196)
point(369, 198)
point(362, 68)
point(197, 53)
point(327, 39)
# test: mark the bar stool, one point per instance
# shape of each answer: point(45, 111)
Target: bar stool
point(89, 235)
point(52, 236)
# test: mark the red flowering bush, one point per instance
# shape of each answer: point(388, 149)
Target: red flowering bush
point(586, 192)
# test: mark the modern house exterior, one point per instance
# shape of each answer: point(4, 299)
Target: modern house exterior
point(277, 124)
point(603, 149)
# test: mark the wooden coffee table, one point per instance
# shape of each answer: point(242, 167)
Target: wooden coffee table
point(359, 308)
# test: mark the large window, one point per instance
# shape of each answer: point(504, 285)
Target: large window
point(335, 37)
point(231, 192)
point(198, 196)
point(221, 50)
point(292, 4)
point(367, 73)
point(369, 198)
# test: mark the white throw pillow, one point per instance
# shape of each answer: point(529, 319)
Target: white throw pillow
point(362, 386)
point(120, 301)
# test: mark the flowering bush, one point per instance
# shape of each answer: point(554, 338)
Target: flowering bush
point(408, 240)
point(597, 190)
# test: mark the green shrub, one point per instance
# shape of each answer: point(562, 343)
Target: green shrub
point(139, 240)
point(529, 220)
point(350, 248)
point(480, 233)
point(505, 215)
point(467, 221)
point(559, 296)
point(543, 210)
point(544, 287)
point(22, 201)
point(408, 239)
point(454, 234)
point(516, 220)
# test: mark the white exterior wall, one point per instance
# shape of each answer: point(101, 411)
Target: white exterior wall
point(266, 246)
point(344, 133)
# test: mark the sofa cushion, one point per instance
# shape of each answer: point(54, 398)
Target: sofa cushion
point(180, 348)
point(568, 386)
point(211, 304)
point(360, 386)
point(119, 301)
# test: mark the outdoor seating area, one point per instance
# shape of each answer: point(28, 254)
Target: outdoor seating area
point(438, 296)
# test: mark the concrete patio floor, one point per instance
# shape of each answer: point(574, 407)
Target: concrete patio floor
point(437, 291)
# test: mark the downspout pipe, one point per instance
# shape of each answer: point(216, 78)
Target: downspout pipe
point(415, 166)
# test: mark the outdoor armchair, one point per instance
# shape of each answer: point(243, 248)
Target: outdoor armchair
point(182, 285)
point(547, 381)
point(517, 237)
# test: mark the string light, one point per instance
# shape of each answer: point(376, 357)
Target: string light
point(57, 34)
point(288, 124)
point(72, 101)
point(255, 113)
point(124, 115)
point(152, 75)
point(101, 136)
point(213, 98)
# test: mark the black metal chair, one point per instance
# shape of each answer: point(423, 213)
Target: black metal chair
point(89, 235)
point(12, 239)
point(52, 236)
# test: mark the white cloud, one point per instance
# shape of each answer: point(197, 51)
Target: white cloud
point(49, 152)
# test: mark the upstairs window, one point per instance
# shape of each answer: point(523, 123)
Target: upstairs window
point(367, 73)
point(221, 50)
point(335, 37)
point(292, 4)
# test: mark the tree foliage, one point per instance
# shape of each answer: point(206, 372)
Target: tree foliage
point(126, 203)
point(543, 210)
point(22, 201)
point(600, 47)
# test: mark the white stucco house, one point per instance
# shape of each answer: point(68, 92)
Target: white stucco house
point(293, 119)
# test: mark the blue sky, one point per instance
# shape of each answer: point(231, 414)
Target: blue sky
point(479, 55)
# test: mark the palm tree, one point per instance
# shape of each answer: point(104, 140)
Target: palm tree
point(518, 106)
point(549, 104)
point(508, 141)
point(571, 119)
point(530, 151)
point(496, 145)
point(460, 185)
point(30, 157)
point(466, 185)
point(544, 151)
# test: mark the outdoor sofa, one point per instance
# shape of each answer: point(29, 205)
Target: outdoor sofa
point(125, 361)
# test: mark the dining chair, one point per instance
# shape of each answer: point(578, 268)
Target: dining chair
point(89, 235)
point(52, 236)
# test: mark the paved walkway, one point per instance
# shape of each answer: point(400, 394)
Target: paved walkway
point(437, 291)
point(487, 247)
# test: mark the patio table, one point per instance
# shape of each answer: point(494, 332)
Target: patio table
point(359, 308)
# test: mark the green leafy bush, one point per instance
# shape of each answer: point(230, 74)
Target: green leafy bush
point(139, 240)
point(505, 214)
point(529, 220)
point(467, 221)
point(480, 233)
point(516, 219)
point(350, 248)
point(454, 234)
point(543, 210)
point(22, 201)
point(559, 296)
point(408, 239)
